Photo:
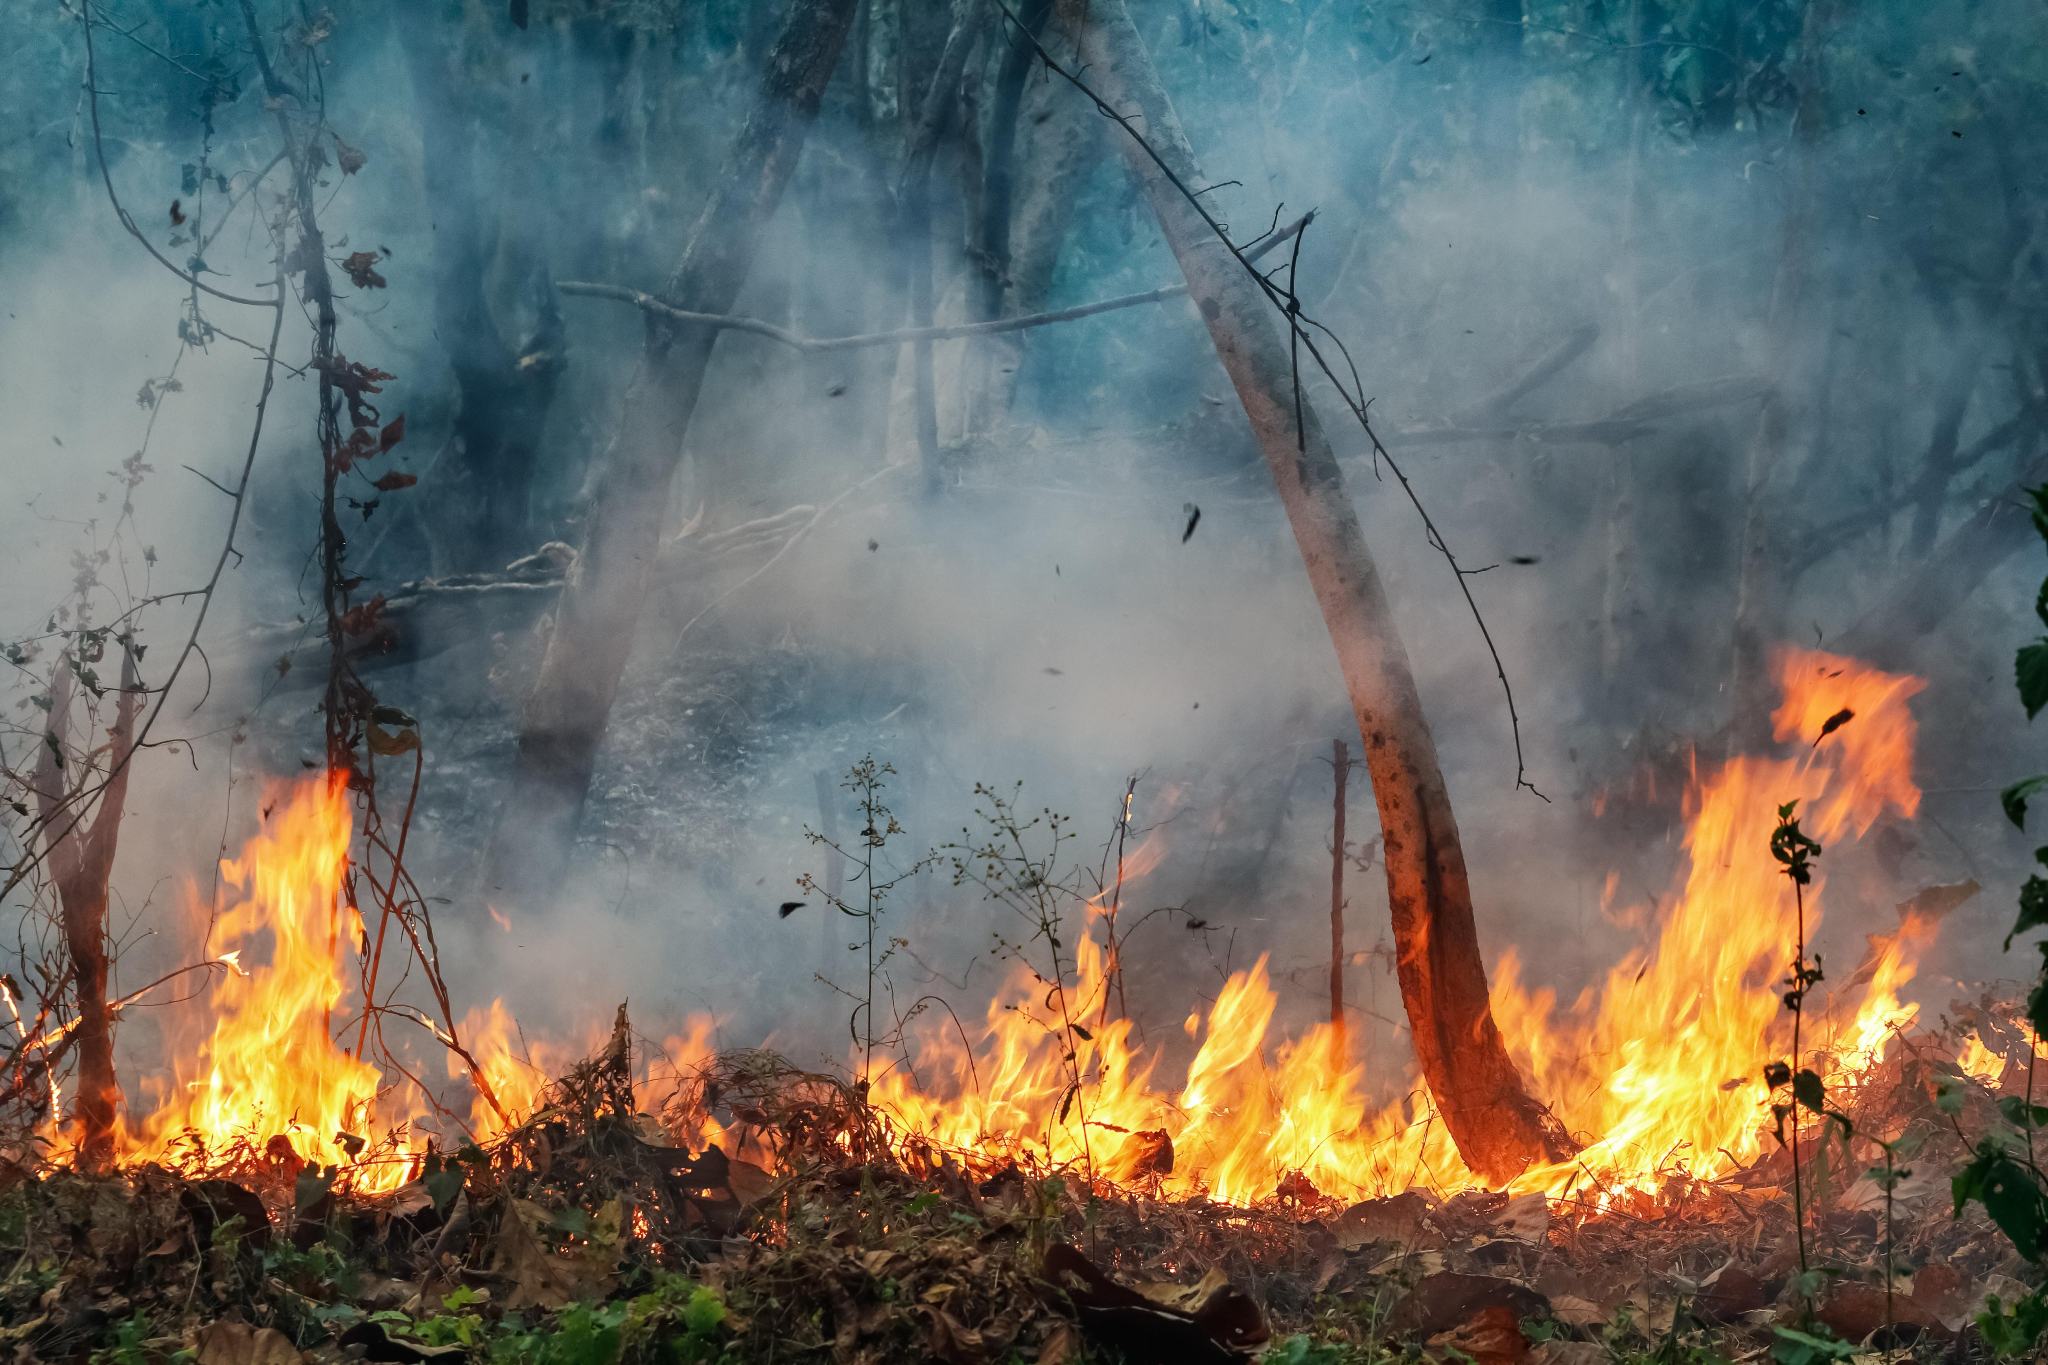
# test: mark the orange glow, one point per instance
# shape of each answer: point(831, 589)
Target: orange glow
point(271, 1069)
point(1656, 1069)
point(1657, 1072)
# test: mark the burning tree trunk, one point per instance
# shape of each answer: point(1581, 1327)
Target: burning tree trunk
point(565, 716)
point(81, 858)
point(1499, 1129)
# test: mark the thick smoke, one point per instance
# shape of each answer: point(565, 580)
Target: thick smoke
point(1040, 617)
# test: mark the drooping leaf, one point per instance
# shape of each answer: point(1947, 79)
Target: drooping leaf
point(2015, 798)
point(1807, 1089)
point(389, 743)
point(2030, 672)
point(443, 1185)
point(311, 1187)
point(2033, 908)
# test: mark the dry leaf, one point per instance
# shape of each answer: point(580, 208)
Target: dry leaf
point(234, 1342)
point(1062, 1343)
point(1492, 1336)
point(1398, 1219)
point(1526, 1218)
point(540, 1278)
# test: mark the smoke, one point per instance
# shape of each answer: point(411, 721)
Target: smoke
point(1040, 617)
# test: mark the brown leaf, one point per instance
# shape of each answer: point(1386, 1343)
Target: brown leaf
point(1854, 1311)
point(953, 1341)
point(1727, 1294)
point(363, 619)
point(362, 270)
point(1062, 1343)
point(393, 481)
point(1945, 1292)
point(1492, 1336)
point(348, 158)
point(1398, 1219)
point(393, 433)
point(542, 1279)
point(1149, 1152)
point(234, 1342)
point(1441, 1302)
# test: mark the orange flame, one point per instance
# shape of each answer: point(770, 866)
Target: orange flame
point(1658, 1073)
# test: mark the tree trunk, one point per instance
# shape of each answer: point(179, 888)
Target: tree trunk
point(477, 509)
point(564, 719)
point(81, 860)
point(1758, 595)
point(1062, 142)
point(1340, 760)
point(1499, 1130)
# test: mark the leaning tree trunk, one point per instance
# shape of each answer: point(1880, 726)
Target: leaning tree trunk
point(81, 860)
point(565, 716)
point(1499, 1129)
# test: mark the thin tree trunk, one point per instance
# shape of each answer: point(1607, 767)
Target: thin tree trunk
point(1758, 597)
point(1499, 1130)
point(1340, 760)
point(81, 860)
point(914, 222)
point(1063, 142)
point(477, 511)
point(564, 719)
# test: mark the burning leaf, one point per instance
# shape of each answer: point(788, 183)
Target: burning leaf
point(1833, 723)
point(362, 270)
point(350, 160)
point(234, 1342)
point(390, 744)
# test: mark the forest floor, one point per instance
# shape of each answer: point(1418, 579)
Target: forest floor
point(595, 1235)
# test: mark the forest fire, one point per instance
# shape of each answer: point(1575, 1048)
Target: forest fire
point(1657, 1073)
point(273, 1081)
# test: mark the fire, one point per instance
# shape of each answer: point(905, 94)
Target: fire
point(271, 1070)
point(1658, 1072)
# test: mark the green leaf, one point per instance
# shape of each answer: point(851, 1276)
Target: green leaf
point(311, 1187)
point(2010, 1193)
point(1807, 1089)
point(2020, 1114)
point(2030, 672)
point(2012, 1334)
point(1949, 1093)
point(704, 1312)
point(2033, 909)
point(2015, 798)
point(1804, 1348)
point(443, 1185)
point(928, 1199)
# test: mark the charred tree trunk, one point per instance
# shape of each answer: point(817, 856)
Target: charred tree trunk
point(478, 507)
point(81, 860)
point(564, 719)
point(1499, 1129)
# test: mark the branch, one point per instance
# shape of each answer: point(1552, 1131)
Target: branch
point(811, 345)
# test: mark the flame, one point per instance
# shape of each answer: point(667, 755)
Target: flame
point(271, 1070)
point(1658, 1072)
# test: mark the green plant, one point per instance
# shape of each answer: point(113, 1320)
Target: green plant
point(1795, 849)
point(2002, 1174)
point(864, 779)
point(1014, 872)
